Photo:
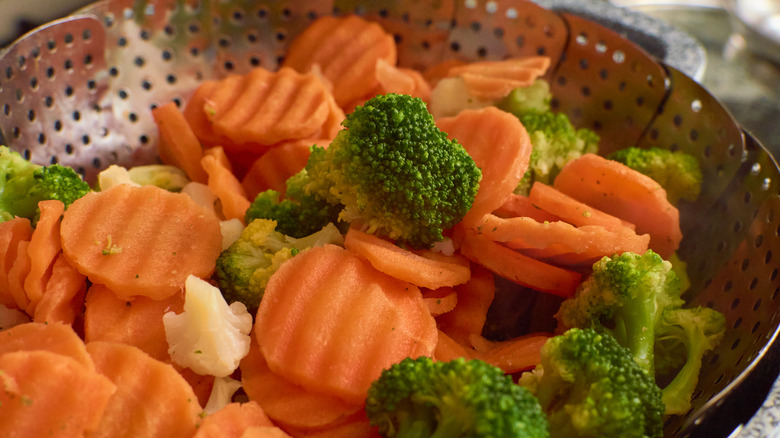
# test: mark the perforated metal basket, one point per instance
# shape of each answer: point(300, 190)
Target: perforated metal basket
point(79, 91)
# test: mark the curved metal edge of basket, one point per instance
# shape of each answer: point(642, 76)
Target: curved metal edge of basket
point(741, 401)
point(660, 39)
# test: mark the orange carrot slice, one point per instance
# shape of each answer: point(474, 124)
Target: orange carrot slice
point(56, 338)
point(195, 113)
point(17, 274)
point(617, 189)
point(226, 186)
point(572, 211)
point(11, 233)
point(48, 394)
point(401, 80)
point(403, 264)
point(63, 298)
point(470, 313)
point(448, 349)
point(441, 300)
point(517, 267)
point(201, 385)
point(274, 107)
point(286, 403)
point(492, 80)
point(264, 432)
point(440, 70)
point(44, 247)
point(500, 146)
point(140, 240)
point(372, 321)
point(273, 168)
point(151, 399)
point(346, 50)
point(178, 144)
point(356, 426)
point(232, 420)
point(520, 206)
point(561, 237)
point(136, 322)
point(513, 355)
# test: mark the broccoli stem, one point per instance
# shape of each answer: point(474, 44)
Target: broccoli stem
point(638, 321)
point(677, 394)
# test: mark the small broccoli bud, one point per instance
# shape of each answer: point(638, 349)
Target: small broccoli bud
point(677, 172)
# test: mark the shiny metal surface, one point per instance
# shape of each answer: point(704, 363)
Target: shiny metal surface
point(115, 60)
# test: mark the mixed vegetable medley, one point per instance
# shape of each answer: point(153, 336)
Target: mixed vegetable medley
point(324, 250)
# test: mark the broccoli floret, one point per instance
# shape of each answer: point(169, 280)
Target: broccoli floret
point(298, 214)
point(460, 398)
point(625, 296)
point(683, 337)
point(23, 184)
point(590, 386)
point(243, 270)
point(554, 139)
point(677, 172)
point(395, 172)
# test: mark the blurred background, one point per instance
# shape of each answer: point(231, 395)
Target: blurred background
point(740, 38)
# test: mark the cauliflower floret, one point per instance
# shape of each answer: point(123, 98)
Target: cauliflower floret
point(221, 394)
point(209, 337)
point(113, 176)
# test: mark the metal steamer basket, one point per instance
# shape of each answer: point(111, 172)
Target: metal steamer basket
point(79, 90)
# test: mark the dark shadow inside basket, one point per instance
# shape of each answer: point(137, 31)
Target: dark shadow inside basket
point(79, 91)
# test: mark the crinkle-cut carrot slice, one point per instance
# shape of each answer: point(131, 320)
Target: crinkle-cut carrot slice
point(178, 146)
point(151, 399)
point(288, 404)
point(63, 297)
point(264, 432)
point(346, 50)
point(226, 186)
point(273, 168)
point(17, 274)
point(55, 337)
point(140, 241)
point(561, 237)
point(403, 264)
point(136, 322)
point(517, 267)
point(201, 385)
point(195, 112)
point(274, 106)
point(331, 322)
point(521, 206)
point(493, 80)
point(470, 313)
point(513, 355)
point(572, 211)
point(355, 426)
point(501, 148)
point(448, 349)
point(232, 420)
point(623, 192)
point(441, 300)
point(49, 394)
point(399, 80)
point(45, 245)
point(440, 70)
point(11, 233)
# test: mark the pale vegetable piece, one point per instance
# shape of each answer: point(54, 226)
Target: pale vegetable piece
point(221, 394)
point(115, 175)
point(202, 195)
point(165, 176)
point(450, 96)
point(209, 337)
point(231, 231)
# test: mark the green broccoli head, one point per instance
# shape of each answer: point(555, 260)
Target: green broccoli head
point(677, 172)
point(625, 295)
point(395, 172)
point(535, 98)
point(460, 398)
point(24, 184)
point(590, 386)
point(683, 337)
point(243, 269)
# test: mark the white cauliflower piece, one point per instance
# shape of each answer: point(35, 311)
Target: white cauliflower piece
point(202, 195)
point(113, 176)
point(231, 230)
point(209, 337)
point(450, 96)
point(221, 394)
